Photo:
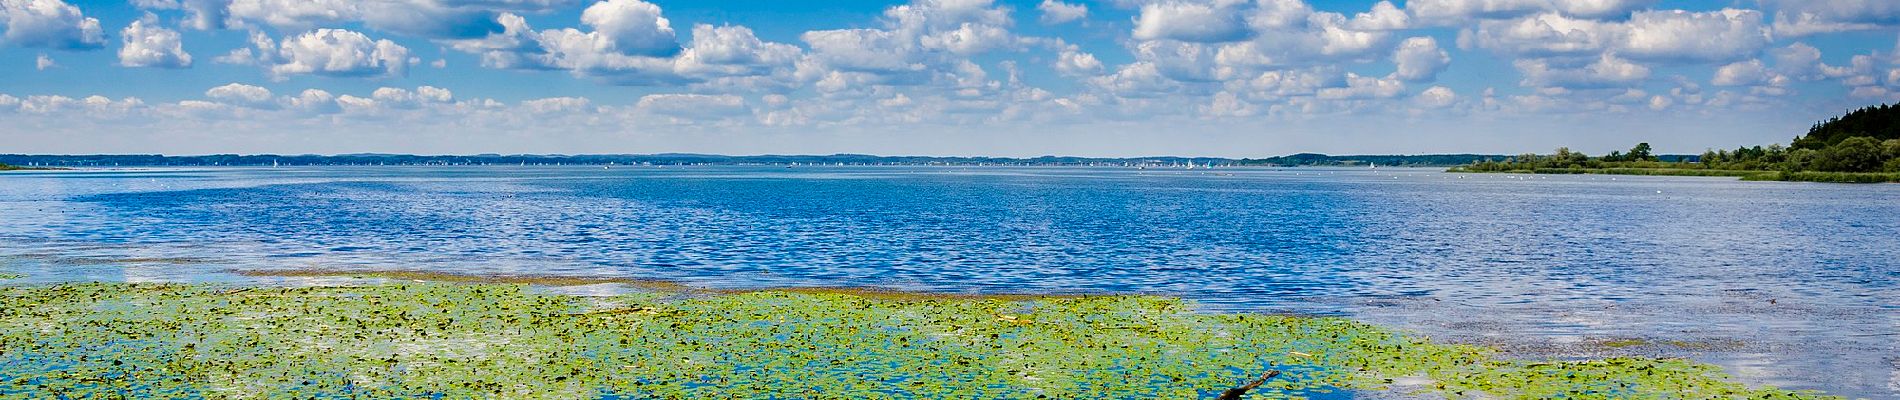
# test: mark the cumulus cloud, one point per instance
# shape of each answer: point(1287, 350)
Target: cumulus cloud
point(1383, 16)
point(149, 45)
point(1448, 12)
point(924, 42)
point(326, 52)
point(872, 50)
point(1605, 71)
point(405, 98)
point(945, 62)
point(1189, 22)
point(1056, 12)
point(1808, 17)
point(1279, 34)
point(1745, 73)
point(556, 105)
point(1436, 97)
point(1724, 35)
point(631, 27)
point(1667, 35)
point(1072, 61)
point(1419, 59)
point(1364, 87)
point(242, 94)
point(43, 62)
point(633, 44)
point(49, 24)
point(1547, 34)
point(437, 19)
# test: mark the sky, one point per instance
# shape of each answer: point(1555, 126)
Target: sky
point(1116, 78)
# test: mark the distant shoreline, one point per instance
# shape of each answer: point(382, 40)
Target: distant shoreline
point(9, 167)
point(1304, 159)
point(1746, 175)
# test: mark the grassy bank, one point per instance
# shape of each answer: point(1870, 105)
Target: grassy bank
point(1802, 176)
point(492, 340)
point(7, 167)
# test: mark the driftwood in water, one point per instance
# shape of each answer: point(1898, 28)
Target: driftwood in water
point(1235, 393)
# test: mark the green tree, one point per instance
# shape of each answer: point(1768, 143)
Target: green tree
point(1855, 154)
point(1641, 153)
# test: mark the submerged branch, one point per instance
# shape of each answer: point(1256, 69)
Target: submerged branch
point(1235, 393)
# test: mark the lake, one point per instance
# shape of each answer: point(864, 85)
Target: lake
point(1791, 284)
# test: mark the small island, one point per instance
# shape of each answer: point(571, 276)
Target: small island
point(9, 167)
point(1862, 146)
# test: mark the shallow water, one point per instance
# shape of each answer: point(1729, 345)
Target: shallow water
point(1792, 284)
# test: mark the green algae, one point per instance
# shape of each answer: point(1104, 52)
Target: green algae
point(6, 276)
point(487, 340)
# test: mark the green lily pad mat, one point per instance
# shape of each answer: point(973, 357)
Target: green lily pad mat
point(437, 340)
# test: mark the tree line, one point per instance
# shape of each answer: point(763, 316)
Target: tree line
point(1861, 141)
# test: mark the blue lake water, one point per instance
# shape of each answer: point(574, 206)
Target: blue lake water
point(1792, 284)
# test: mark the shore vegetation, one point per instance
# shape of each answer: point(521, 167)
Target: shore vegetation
point(1862, 146)
point(496, 340)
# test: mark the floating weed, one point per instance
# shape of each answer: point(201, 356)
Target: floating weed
point(496, 340)
point(6, 276)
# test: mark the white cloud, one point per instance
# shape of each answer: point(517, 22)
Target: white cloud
point(1745, 73)
point(1670, 35)
point(1383, 16)
point(50, 24)
point(314, 101)
point(242, 94)
point(1072, 61)
point(1228, 104)
point(1605, 71)
point(1055, 12)
point(1277, 34)
point(1808, 17)
point(968, 39)
point(1545, 34)
point(1139, 79)
point(923, 42)
point(43, 62)
point(1724, 35)
point(634, 45)
point(873, 50)
point(1419, 59)
point(149, 45)
point(1364, 87)
point(1557, 50)
point(327, 52)
point(631, 27)
point(556, 105)
point(1189, 22)
point(439, 19)
point(405, 98)
point(1803, 62)
point(1450, 12)
point(1436, 97)
point(736, 45)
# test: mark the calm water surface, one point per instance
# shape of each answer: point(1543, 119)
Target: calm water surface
point(1790, 284)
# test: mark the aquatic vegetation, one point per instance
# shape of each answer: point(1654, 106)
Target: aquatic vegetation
point(4, 276)
point(487, 340)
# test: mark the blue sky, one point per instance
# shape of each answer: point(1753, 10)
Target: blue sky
point(940, 77)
